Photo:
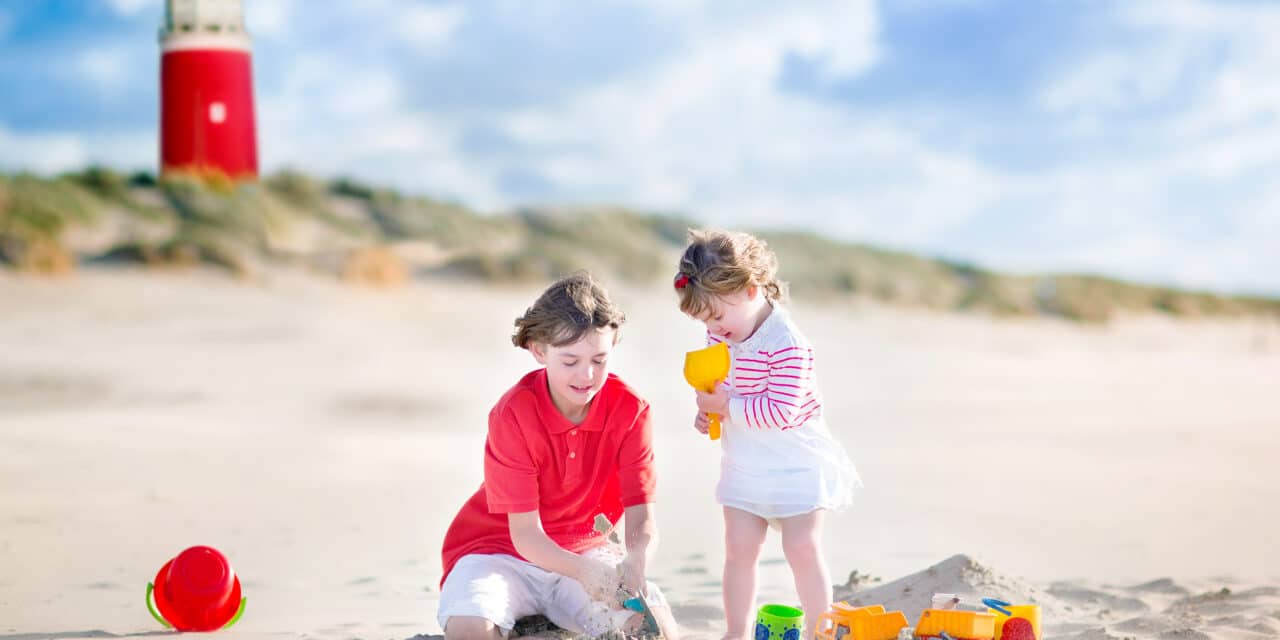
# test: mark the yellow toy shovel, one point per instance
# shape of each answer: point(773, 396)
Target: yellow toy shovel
point(704, 369)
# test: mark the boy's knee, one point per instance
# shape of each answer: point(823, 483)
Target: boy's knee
point(471, 628)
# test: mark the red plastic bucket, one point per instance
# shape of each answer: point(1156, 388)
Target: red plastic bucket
point(198, 591)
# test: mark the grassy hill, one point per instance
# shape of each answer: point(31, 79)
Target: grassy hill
point(371, 234)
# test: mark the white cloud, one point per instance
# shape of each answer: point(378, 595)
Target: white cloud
point(671, 136)
point(129, 150)
point(1117, 81)
point(370, 94)
point(709, 133)
point(840, 35)
point(1175, 40)
point(41, 152)
point(268, 18)
point(1125, 218)
point(129, 8)
point(105, 68)
point(363, 129)
point(57, 151)
point(429, 27)
point(1199, 92)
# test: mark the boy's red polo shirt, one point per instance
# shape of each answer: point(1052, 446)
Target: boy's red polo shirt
point(536, 460)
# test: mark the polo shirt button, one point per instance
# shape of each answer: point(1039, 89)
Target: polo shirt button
point(573, 454)
point(574, 432)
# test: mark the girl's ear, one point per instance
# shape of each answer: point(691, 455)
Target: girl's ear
point(539, 352)
point(752, 291)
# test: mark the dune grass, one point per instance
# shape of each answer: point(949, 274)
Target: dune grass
point(229, 224)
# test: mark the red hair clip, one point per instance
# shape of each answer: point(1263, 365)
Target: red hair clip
point(682, 280)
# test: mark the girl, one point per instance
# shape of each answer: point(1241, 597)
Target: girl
point(780, 464)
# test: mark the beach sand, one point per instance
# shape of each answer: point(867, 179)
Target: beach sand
point(323, 436)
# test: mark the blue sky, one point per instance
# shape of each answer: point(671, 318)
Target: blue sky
point(1138, 139)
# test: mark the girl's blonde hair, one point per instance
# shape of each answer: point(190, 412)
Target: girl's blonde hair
point(718, 263)
point(566, 311)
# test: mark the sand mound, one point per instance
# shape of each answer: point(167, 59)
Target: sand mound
point(1163, 585)
point(958, 574)
point(1093, 599)
point(1158, 609)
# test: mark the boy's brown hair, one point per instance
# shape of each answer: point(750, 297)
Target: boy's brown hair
point(719, 263)
point(566, 311)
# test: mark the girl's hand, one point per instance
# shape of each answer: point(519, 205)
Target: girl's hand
point(717, 402)
point(701, 423)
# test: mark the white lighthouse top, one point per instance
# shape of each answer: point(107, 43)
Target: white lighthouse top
point(198, 23)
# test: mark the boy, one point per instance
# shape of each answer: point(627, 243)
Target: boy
point(567, 442)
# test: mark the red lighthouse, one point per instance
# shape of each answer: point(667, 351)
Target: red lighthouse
point(206, 91)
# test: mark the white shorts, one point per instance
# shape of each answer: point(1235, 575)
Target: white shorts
point(771, 512)
point(502, 589)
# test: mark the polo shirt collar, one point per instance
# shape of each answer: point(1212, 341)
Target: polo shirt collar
point(555, 421)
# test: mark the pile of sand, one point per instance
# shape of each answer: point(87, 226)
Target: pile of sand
point(1160, 609)
point(958, 574)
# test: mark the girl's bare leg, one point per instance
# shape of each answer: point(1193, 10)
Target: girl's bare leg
point(743, 538)
point(802, 545)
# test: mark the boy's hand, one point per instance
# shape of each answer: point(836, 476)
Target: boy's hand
point(717, 402)
point(598, 579)
point(632, 568)
point(702, 423)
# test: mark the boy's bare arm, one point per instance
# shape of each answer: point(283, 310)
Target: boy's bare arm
point(600, 580)
point(642, 539)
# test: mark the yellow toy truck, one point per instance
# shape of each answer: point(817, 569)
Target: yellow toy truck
point(847, 622)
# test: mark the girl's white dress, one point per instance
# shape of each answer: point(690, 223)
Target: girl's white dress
point(779, 458)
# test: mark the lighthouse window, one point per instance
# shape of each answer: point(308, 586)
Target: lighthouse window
point(217, 113)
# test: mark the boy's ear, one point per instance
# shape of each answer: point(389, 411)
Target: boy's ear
point(539, 352)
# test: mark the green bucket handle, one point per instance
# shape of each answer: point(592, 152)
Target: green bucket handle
point(236, 617)
point(161, 620)
point(151, 587)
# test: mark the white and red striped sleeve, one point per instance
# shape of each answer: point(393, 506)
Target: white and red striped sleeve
point(789, 396)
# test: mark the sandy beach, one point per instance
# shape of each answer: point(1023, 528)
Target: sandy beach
point(323, 436)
